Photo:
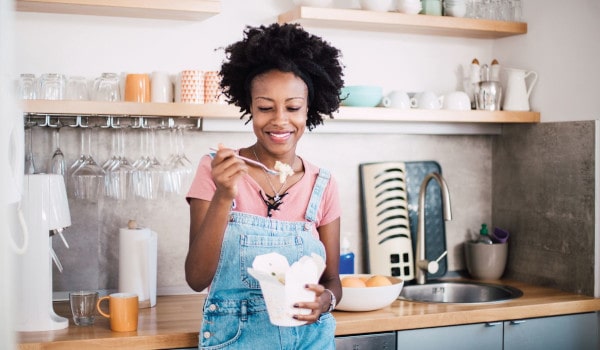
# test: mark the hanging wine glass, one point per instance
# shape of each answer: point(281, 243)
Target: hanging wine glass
point(29, 161)
point(57, 163)
point(88, 178)
point(119, 183)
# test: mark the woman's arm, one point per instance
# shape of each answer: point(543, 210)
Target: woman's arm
point(208, 220)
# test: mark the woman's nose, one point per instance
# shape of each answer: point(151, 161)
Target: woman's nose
point(281, 116)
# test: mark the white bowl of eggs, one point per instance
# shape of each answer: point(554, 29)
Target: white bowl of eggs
point(364, 292)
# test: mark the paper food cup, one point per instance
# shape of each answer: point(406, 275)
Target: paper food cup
point(283, 285)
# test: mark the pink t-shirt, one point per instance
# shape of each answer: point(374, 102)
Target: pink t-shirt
point(249, 200)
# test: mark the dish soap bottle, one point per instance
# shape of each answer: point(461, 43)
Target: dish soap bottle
point(346, 258)
point(484, 236)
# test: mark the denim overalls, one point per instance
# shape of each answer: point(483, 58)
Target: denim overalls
point(235, 313)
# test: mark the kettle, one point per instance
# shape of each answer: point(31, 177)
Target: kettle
point(516, 96)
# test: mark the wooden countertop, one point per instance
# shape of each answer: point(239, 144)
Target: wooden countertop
point(175, 320)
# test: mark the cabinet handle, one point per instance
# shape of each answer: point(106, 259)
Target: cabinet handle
point(493, 324)
point(517, 322)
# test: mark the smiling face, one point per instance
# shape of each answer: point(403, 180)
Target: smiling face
point(279, 111)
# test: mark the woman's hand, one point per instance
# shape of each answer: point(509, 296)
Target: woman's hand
point(318, 306)
point(227, 169)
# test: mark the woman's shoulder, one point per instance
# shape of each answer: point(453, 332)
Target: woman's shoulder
point(313, 170)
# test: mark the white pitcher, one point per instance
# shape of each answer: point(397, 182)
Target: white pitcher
point(516, 97)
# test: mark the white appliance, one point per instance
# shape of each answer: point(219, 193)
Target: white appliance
point(45, 208)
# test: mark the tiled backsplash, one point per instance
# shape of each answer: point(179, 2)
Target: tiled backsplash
point(541, 178)
point(543, 193)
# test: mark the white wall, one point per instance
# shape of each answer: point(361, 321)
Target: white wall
point(89, 45)
point(563, 46)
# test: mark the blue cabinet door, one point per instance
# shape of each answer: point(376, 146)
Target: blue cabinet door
point(478, 336)
point(579, 331)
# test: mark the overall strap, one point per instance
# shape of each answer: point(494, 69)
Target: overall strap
point(317, 195)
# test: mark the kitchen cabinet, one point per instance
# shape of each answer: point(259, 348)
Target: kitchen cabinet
point(465, 337)
point(374, 341)
point(402, 23)
point(186, 110)
point(577, 331)
point(158, 9)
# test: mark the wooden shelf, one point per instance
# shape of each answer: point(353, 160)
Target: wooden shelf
point(186, 110)
point(404, 23)
point(158, 9)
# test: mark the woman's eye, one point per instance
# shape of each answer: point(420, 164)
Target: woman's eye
point(264, 109)
point(294, 109)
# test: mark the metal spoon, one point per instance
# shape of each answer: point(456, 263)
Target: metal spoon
point(248, 160)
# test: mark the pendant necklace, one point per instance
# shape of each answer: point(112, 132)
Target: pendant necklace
point(275, 201)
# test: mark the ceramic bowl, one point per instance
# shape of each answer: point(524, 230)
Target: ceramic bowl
point(369, 298)
point(314, 3)
point(361, 95)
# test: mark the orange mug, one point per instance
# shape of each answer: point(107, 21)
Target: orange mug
point(137, 88)
point(123, 311)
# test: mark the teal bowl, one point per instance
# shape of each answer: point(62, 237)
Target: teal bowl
point(361, 95)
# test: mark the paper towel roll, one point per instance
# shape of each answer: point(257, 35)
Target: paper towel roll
point(137, 264)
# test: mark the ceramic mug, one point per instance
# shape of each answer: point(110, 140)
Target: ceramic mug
point(123, 311)
point(456, 100)
point(212, 88)
point(137, 88)
point(396, 99)
point(191, 86)
point(426, 100)
point(161, 87)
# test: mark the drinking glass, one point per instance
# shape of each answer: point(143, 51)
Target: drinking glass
point(26, 87)
point(153, 178)
point(77, 89)
point(119, 175)
point(107, 88)
point(88, 178)
point(179, 166)
point(29, 161)
point(83, 307)
point(51, 87)
point(57, 164)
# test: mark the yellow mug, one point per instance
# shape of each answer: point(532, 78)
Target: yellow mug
point(122, 311)
point(137, 88)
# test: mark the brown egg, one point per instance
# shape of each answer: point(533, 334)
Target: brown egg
point(352, 282)
point(378, 281)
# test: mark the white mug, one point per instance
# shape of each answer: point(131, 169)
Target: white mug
point(456, 100)
point(161, 87)
point(396, 99)
point(426, 100)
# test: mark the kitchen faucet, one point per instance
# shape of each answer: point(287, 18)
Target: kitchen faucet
point(423, 266)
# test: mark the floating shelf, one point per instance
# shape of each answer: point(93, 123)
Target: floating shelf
point(158, 9)
point(187, 110)
point(402, 23)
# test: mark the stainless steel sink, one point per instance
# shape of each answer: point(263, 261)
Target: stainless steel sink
point(459, 292)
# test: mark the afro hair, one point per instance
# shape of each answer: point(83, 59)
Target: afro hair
point(288, 48)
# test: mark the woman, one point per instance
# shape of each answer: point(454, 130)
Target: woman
point(285, 80)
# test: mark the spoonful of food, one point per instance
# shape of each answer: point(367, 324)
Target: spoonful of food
point(254, 162)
